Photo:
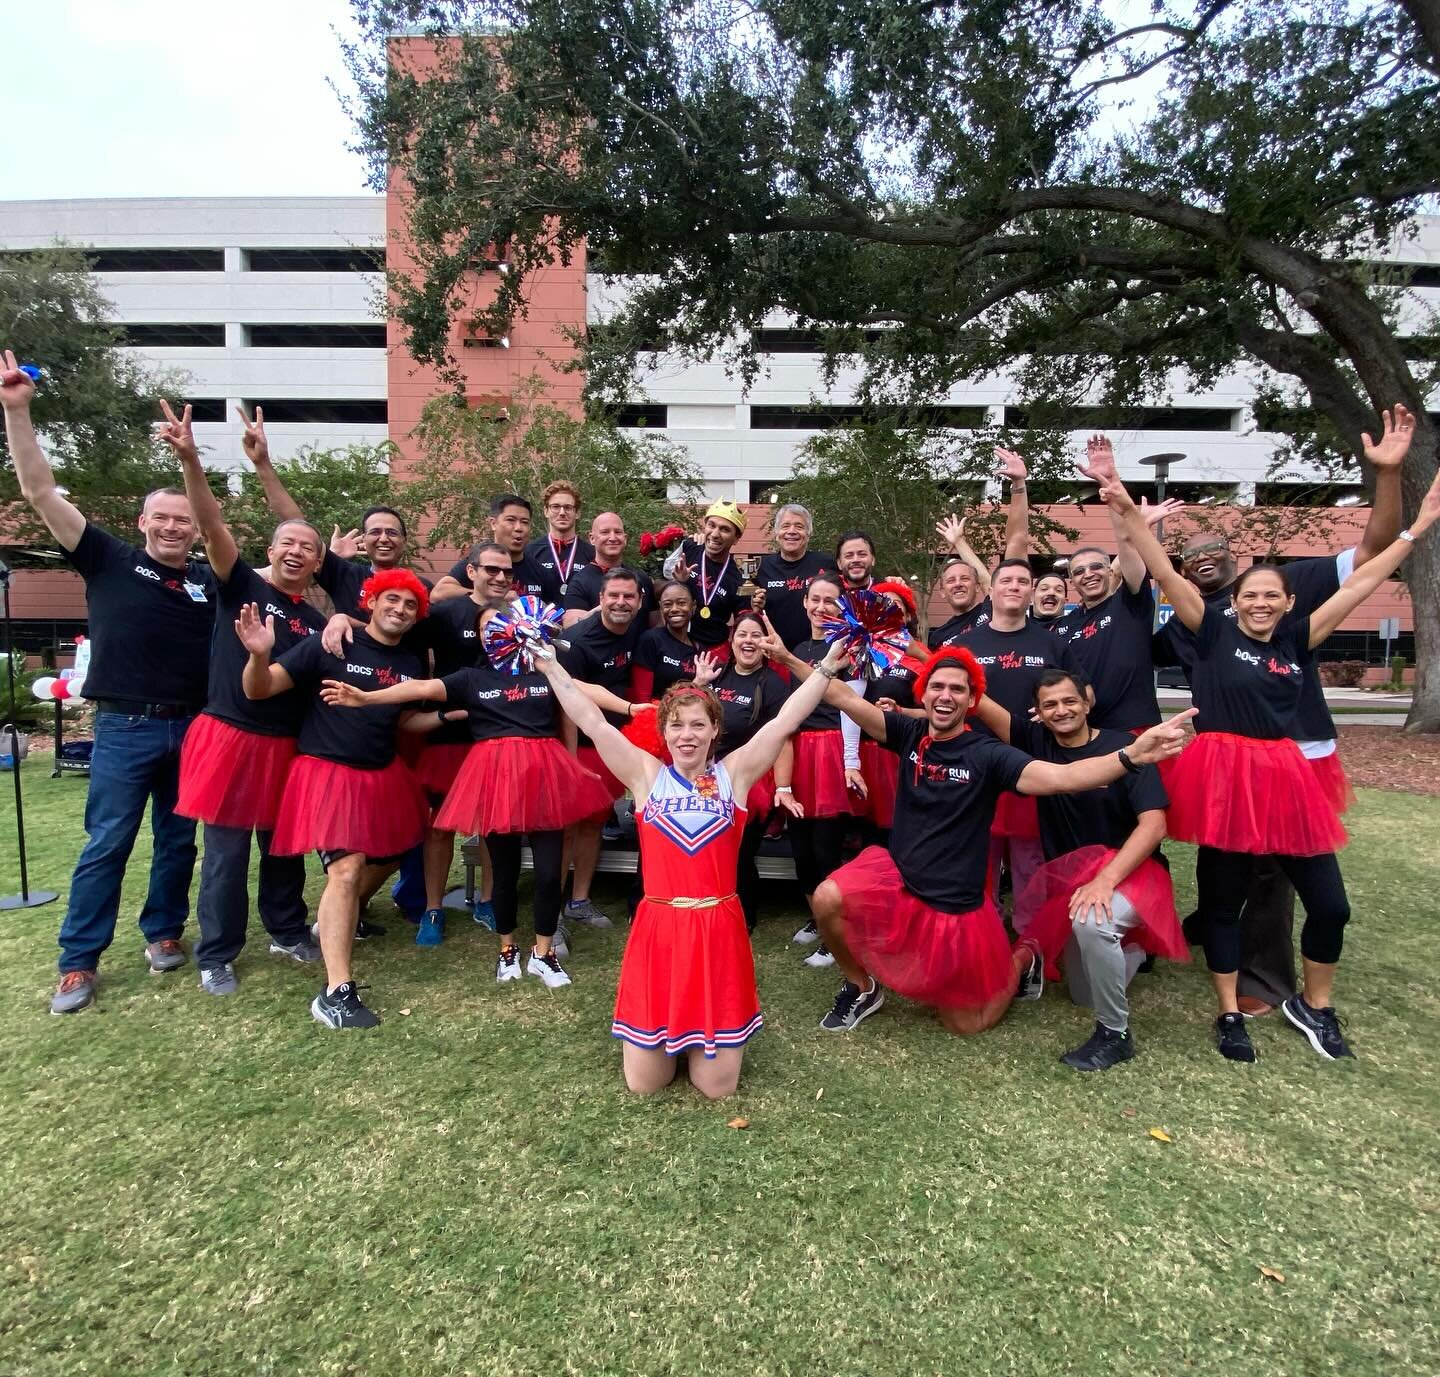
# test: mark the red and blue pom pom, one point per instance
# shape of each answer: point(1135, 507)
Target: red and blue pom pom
point(511, 637)
point(872, 628)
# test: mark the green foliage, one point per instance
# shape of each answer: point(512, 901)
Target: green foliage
point(24, 709)
point(331, 486)
point(469, 454)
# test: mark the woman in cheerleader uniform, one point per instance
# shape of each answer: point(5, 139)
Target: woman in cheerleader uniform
point(1245, 790)
point(516, 781)
point(750, 693)
point(687, 981)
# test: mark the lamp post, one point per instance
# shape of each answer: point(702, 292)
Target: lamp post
point(1161, 464)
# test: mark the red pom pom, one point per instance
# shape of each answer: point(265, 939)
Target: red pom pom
point(647, 542)
point(643, 730)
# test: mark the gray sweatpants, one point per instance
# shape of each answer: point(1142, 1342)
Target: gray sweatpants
point(1098, 968)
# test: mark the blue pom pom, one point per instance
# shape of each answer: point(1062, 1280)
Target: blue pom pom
point(31, 372)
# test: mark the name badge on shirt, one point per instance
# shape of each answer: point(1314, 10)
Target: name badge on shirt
point(196, 591)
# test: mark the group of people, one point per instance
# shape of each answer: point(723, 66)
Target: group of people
point(1019, 743)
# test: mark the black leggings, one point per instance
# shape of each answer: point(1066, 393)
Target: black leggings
point(1223, 878)
point(545, 849)
point(816, 845)
point(747, 876)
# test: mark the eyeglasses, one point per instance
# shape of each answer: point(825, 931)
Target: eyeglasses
point(559, 506)
point(377, 531)
point(1195, 552)
point(496, 571)
point(1076, 569)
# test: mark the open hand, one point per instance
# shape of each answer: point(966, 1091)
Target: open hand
point(1012, 466)
point(342, 695)
point(1092, 898)
point(176, 432)
point(951, 530)
point(1161, 511)
point(1395, 439)
point(790, 804)
point(258, 637)
point(345, 546)
point(1099, 462)
point(707, 669)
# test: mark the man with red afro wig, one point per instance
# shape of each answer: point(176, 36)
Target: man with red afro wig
point(917, 913)
point(383, 580)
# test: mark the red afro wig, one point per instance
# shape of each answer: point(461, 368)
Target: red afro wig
point(901, 592)
point(954, 655)
point(401, 580)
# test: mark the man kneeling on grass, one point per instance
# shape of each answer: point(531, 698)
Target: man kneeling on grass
point(917, 915)
point(1103, 871)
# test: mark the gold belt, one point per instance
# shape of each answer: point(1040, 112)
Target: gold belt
point(685, 901)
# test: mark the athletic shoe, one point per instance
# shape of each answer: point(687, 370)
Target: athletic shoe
point(341, 1008)
point(1105, 1049)
point(853, 1005)
point(431, 932)
point(1032, 981)
point(819, 958)
point(305, 951)
point(807, 935)
point(548, 968)
point(1320, 1026)
point(1232, 1038)
point(165, 956)
point(365, 928)
point(76, 992)
point(219, 980)
point(507, 965)
point(560, 943)
point(583, 911)
point(483, 912)
point(611, 832)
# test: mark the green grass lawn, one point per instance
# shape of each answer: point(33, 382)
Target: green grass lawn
point(190, 1185)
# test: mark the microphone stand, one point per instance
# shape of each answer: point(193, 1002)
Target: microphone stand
point(26, 898)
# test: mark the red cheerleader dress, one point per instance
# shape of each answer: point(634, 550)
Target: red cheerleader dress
point(688, 976)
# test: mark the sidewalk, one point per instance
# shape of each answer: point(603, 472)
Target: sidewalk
point(1351, 706)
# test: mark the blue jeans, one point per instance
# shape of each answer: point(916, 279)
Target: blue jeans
point(136, 760)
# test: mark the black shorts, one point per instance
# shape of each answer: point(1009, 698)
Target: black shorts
point(328, 858)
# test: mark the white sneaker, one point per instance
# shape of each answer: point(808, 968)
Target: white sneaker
point(507, 965)
point(819, 958)
point(808, 934)
point(548, 968)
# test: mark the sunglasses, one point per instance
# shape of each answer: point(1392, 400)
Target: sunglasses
point(1077, 569)
point(496, 571)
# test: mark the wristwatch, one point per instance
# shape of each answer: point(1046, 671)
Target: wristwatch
point(1130, 766)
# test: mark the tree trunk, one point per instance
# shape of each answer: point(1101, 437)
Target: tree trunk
point(1422, 575)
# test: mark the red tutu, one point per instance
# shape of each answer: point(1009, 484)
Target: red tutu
point(1333, 780)
point(819, 778)
point(881, 769)
point(761, 798)
point(687, 979)
point(949, 960)
point(231, 777)
point(589, 757)
point(1147, 887)
point(439, 763)
point(1239, 793)
point(1016, 815)
point(332, 807)
point(520, 784)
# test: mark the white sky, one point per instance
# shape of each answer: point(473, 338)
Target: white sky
point(175, 98)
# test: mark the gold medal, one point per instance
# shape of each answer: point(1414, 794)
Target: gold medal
point(705, 614)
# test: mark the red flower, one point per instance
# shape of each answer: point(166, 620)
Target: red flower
point(647, 542)
point(673, 533)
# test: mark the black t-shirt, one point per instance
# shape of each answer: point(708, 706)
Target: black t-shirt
point(784, 583)
point(669, 660)
point(525, 577)
point(597, 655)
point(1313, 581)
point(824, 718)
point(502, 704)
point(898, 682)
point(295, 621)
point(451, 635)
point(1249, 687)
point(721, 582)
point(1013, 662)
point(944, 806)
point(737, 693)
point(363, 738)
point(1098, 817)
point(343, 580)
point(150, 625)
point(555, 576)
point(1110, 644)
point(583, 594)
point(962, 624)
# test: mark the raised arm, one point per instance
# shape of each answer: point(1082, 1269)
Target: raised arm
point(220, 547)
point(952, 531)
point(635, 768)
point(37, 480)
point(257, 451)
point(1386, 457)
point(1040, 777)
point(994, 716)
point(260, 678)
point(1017, 515)
point(1367, 578)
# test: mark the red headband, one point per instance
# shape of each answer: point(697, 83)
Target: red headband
point(954, 655)
point(900, 591)
point(401, 580)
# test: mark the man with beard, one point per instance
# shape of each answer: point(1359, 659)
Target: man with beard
point(713, 576)
point(582, 596)
point(964, 581)
point(1267, 960)
point(855, 559)
point(785, 574)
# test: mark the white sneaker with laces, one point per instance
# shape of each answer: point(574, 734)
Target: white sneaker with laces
point(507, 965)
point(548, 968)
point(807, 935)
point(819, 958)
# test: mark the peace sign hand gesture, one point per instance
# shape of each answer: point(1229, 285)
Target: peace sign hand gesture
point(16, 389)
point(176, 432)
point(253, 441)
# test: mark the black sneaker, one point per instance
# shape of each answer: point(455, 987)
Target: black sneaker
point(341, 1008)
point(1105, 1049)
point(1032, 981)
point(365, 928)
point(1320, 1026)
point(1233, 1038)
point(852, 1005)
